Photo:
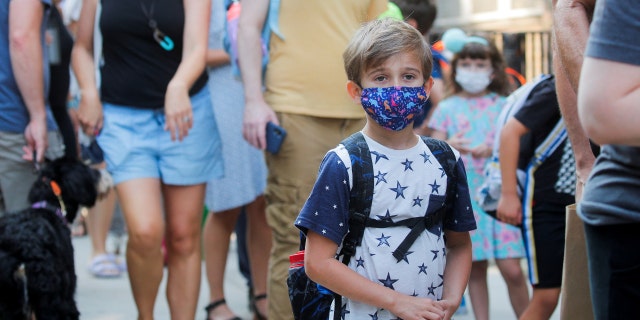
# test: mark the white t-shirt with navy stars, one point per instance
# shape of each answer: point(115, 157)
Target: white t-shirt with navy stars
point(406, 184)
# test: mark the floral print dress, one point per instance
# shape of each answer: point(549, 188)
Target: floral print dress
point(476, 119)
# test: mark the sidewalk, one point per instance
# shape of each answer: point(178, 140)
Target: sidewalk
point(111, 299)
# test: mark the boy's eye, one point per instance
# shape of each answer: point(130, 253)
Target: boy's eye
point(380, 78)
point(409, 77)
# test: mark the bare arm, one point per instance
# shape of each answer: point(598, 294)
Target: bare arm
point(177, 105)
point(571, 30)
point(257, 113)
point(608, 101)
point(27, 61)
point(217, 57)
point(571, 21)
point(323, 268)
point(509, 206)
point(90, 108)
point(457, 270)
point(582, 152)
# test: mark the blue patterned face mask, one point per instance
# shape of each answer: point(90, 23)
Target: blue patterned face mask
point(393, 108)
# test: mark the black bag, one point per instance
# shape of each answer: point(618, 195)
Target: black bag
point(311, 301)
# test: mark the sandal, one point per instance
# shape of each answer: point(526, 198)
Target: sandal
point(103, 266)
point(119, 262)
point(216, 304)
point(256, 313)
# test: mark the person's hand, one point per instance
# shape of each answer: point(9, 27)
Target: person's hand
point(460, 143)
point(509, 209)
point(256, 116)
point(178, 112)
point(414, 308)
point(449, 307)
point(482, 151)
point(90, 113)
point(36, 136)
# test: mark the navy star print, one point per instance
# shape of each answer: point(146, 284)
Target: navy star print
point(434, 187)
point(388, 282)
point(379, 156)
point(383, 240)
point(435, 254)
point(399, 190)
point(417, 202)
point(422, 269)
point(380, 177)
point(387, 217)
point(405, 256)
point(431, 290)
point(427, 157)
point(360, 262)
point(407, 164)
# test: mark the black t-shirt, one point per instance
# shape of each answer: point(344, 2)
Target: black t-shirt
point(555, 178)
point(136, 68)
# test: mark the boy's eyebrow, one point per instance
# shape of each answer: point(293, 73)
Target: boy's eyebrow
point(380, 69)
point(374, 70)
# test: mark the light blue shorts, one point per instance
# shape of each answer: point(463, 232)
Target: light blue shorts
point(136, 145)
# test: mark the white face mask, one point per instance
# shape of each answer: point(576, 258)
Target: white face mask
point(473, 81)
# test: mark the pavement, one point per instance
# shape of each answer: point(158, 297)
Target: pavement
point(111, 299)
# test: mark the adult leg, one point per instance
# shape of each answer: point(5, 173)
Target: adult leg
point(216, 233)
point(183, 208)
point(511, 272)
point(140, 200)
point(478, 290)
point(543, 303)
point(98, 222)
point(259, 246)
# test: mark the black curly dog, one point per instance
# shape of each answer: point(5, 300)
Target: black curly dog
point(37, 274)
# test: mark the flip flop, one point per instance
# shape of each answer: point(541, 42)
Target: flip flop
point(103, 266)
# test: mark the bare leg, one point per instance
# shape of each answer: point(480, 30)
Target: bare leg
point(217, 230)
point(516, 284)
point(478, 290)
point(141, 205)
point(98, 222)
point(259, 243)
point(543, 303)
point(183, 207)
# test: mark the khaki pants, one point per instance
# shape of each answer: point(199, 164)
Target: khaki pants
point(16, 174)
point(292, 174)
point(575, 300)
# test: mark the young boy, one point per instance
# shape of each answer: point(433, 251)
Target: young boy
point(388, 65)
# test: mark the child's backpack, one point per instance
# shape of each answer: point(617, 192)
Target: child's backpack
point(489, 192)
point(311, 301)
point(230, 41)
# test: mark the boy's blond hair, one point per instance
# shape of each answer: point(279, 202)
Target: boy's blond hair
point(380, 39)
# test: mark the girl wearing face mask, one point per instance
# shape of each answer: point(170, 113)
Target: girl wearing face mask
point(466, 119)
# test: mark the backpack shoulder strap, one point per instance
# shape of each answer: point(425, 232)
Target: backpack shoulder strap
point(447, 159)
point(361, 193)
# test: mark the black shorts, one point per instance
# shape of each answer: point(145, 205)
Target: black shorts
point(543, 237)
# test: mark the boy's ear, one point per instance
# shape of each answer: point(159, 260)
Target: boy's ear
point(428, 85)
point(354, 91)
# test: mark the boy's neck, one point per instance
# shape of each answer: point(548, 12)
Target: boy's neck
point(397, 140)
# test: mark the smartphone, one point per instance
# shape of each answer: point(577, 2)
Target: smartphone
point(275, 136)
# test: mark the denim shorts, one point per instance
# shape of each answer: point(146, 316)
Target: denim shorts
point(136, 145)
